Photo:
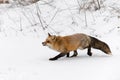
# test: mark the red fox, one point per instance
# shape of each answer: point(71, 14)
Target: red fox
point(65, 44)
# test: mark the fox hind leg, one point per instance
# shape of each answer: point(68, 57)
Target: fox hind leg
point(75, 53)
point(89, 51)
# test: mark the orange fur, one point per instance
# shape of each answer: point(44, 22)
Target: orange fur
point(67, 43)
point(73, 42)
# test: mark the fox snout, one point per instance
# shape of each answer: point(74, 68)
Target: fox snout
point(44, 43)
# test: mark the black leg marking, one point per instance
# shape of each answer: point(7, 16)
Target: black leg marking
point(58, 56)
point(75, 53)
point(89, 51)
point(68, 54)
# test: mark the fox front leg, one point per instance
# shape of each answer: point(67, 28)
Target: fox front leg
point(68, 54)
point(58, 56)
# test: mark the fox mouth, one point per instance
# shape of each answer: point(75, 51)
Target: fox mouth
point(47, 44)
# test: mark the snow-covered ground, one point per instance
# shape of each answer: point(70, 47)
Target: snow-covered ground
point(22, 56)
point(26, 59)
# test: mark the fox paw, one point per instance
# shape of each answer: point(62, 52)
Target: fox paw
point(52, 59)
point(74, 55)
point(89, 53)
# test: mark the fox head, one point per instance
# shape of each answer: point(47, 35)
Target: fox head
point(49, 41)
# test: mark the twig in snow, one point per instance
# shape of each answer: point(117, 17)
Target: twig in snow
point(85, 18)
point(98, 4)
point(73, 20)
point(27, 18)
point(21, 24)
point(53, 17)
point(79, 5)
point(48, 3)
point(39, 17)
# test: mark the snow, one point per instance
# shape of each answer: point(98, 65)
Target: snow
point(27, 59)
point(22, 56)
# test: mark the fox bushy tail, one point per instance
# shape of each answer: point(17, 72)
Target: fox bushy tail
point(97, 44)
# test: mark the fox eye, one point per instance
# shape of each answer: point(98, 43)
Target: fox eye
point(48, 41)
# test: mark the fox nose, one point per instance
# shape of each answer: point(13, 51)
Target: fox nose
point(43, 43)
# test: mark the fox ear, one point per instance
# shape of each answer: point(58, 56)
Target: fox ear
point(54, 37)
point(49, 34)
